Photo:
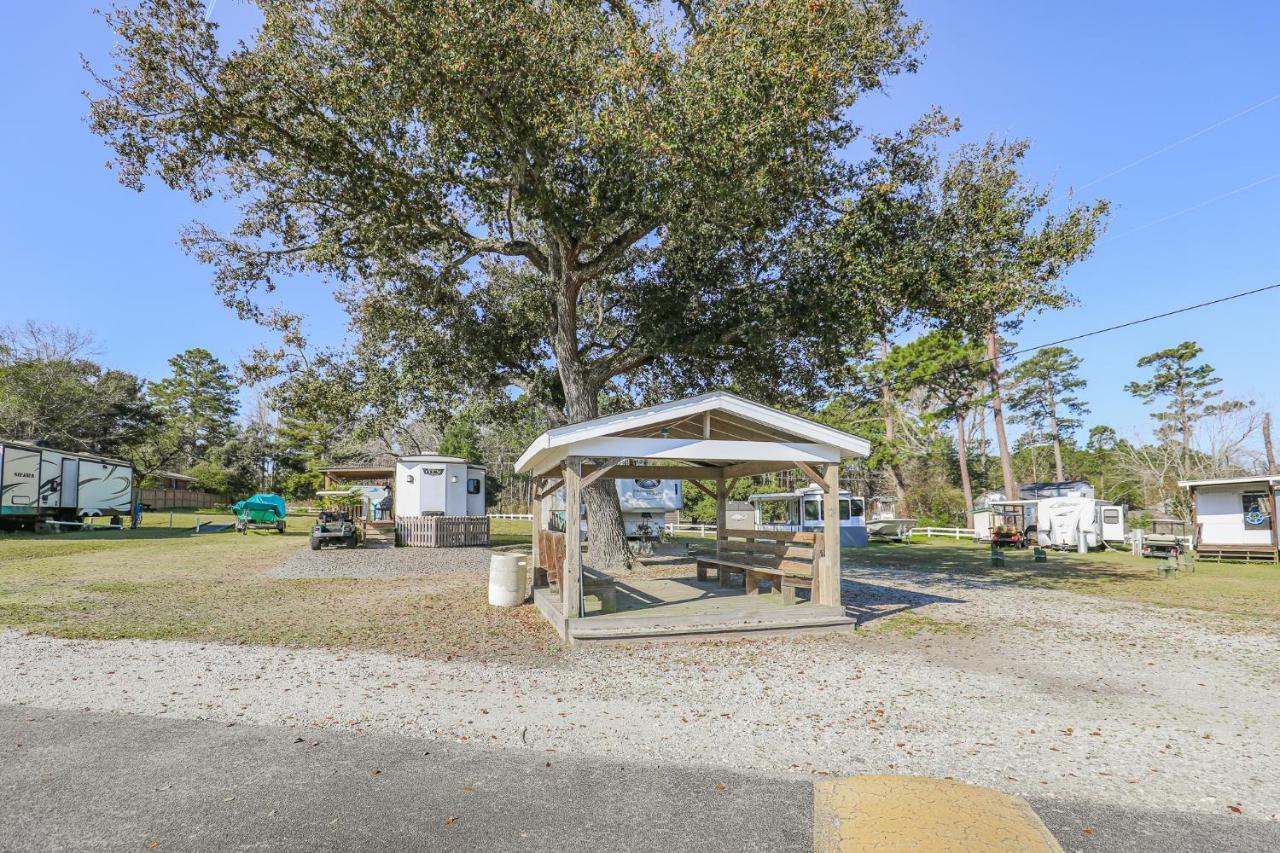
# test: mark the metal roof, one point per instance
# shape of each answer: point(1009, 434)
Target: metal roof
point(1231, 481)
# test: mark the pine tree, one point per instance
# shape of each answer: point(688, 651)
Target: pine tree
point(198, 403)
point(1043, 397)
point(1187, 390)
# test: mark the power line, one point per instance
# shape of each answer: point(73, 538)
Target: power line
point(1127, 325)
point(1193, 207)
point(1201, 132)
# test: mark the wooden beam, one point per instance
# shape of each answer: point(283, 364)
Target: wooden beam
point(705, 450)
point(547, 491)
point(732, 483)
point(813, 475)
point(750, 469)
point(703, 489)
point(827, 581)
point(722, 513)
point(600, 471)
point(659, 472)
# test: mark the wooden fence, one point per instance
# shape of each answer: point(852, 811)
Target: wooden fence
point(442, 531)
point(159, 499)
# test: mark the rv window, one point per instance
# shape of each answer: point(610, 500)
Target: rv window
point(1257, 510)
point(854, 510)
point(812, 510)
point(1111, 516)
point(473, 486)
point(844, 509)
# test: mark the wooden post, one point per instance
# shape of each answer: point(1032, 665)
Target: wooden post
point(571, 580)
point(722, 496)
point(829, 583)
point(535, 523)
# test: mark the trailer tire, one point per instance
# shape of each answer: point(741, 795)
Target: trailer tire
point(315, 544)
point(280, 526)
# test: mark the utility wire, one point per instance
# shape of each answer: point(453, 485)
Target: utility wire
point(1184, 310)
point(1192, 208)
point(1201, 132)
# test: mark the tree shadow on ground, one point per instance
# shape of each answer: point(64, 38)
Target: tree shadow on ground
point(866, 602)
point(970, 568)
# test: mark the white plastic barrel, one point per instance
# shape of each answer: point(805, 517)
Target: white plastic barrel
point(508, 580)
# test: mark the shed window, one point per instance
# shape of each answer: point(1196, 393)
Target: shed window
point(1111, 516)
point(473, 486)
point(1257, 510)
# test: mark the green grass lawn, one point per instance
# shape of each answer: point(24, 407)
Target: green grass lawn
point(1237, 589)
point(172, 583)
point(158, 583)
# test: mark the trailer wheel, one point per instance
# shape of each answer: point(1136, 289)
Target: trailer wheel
point(315, 544)
point(280, 526)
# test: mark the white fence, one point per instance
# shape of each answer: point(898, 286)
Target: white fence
point(948, 532)
point(512, 516)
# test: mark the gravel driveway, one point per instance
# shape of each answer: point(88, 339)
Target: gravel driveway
point(1043, 693)
point(464, 564)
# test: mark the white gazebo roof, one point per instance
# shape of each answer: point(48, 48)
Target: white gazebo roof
point(719, 428)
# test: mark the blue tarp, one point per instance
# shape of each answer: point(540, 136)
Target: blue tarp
point(261, 507)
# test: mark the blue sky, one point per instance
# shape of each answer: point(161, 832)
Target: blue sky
point(1095, 86)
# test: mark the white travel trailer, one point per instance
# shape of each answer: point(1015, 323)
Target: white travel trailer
point(1063, 523)
point(438, 485)
point(43, 483)
point(801, 510)
point(645, 503)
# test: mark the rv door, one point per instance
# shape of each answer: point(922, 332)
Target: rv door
point(70, 482)
point(1113, 523)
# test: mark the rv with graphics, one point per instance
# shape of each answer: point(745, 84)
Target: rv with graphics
point(38, 483)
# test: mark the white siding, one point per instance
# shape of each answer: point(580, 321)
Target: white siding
point(1220, 514)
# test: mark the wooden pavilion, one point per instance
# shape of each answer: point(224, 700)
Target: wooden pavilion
point(710, 441)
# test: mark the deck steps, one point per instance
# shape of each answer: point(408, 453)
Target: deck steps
point(1236, 554)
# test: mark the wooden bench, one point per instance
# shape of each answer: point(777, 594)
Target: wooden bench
point(788, 560)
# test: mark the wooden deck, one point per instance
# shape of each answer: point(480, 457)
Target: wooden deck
point(686, 608)
point(1237, 553)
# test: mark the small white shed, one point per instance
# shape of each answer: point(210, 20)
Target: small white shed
point(438, 485)
point(1235, 518)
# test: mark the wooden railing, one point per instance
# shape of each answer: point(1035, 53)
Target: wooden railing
point(442, 531)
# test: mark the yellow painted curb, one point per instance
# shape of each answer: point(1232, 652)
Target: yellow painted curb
point(917, 813)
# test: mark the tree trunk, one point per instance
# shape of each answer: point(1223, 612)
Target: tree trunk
point(1266, 443)
point(962, 451)
point(890, 434)
point(997, 414)
point(1057, 442)
point(607, 549)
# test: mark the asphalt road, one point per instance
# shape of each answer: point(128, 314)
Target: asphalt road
point(89, 781)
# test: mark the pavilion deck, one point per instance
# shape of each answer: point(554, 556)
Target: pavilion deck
point(686, 608)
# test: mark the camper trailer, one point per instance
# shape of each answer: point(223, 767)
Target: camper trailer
point(644, 504)
point(801, 510)
point(438, 485)
point(1056, 522)
point(40, 483)
point(1078, 523)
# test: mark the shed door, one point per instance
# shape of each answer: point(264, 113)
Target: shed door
point(70, 483)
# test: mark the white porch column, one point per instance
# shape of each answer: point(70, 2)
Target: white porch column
point(571, 582)
point(829, 580)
